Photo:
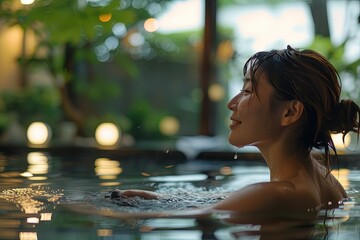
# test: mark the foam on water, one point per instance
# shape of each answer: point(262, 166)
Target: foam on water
point(182, 197)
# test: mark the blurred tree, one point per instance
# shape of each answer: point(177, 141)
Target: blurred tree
point(71, 32)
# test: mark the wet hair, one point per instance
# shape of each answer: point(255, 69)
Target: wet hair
point(307, 76)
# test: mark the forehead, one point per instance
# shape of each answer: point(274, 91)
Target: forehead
point(254, 74)
point(259, 83)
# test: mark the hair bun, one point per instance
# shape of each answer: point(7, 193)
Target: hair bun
point(345, 118)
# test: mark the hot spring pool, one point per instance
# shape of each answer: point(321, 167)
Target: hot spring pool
point(64, 195)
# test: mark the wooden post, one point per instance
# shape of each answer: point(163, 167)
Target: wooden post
point(208, 73)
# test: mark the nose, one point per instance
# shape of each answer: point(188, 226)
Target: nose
point(232, 104)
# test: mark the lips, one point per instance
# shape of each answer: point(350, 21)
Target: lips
point(234, 123)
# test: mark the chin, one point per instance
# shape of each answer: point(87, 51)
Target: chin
point(234, 143)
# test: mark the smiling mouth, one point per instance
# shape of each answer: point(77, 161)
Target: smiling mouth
point(234, 123)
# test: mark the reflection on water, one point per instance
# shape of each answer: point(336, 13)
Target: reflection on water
point(38, 165)
point(43, 197)
point(106, 168)
point(31, 200)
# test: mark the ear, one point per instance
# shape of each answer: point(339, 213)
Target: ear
point(292, 112)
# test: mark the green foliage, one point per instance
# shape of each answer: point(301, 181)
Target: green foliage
point(98, 90)
point(145, 121)
point(31, 104)
point(348, 70)
point(65, 21)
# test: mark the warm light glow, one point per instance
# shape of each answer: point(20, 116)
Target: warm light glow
point(105, 17)
point(27, 2)
point(31, 200)
point(28, 236)
point(216, 92)
point(107, 134)
point(151, 25)
point(26, 174)
point(225, 51)
point(338, 141)
point(38, 133)
point(104, 232)
point(38, 164)
point(37, 158)
point(45, 217)
point(33, 220)
point(342, 175)
point(226, 170)
point(40, 178)
point(106, 168)
point(110, 184)
point(169, 126)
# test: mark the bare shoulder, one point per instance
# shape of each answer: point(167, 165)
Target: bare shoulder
point(268, 197)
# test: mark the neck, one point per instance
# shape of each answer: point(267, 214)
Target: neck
point(285, 162)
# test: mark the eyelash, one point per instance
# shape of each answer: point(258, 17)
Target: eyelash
point(245, 91)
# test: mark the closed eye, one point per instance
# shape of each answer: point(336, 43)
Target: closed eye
point(245, 92)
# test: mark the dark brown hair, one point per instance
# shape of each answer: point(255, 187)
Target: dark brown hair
point(307, 76)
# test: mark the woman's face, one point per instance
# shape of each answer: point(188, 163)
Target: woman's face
point(251, 120)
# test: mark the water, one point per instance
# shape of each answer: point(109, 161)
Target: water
point(66, 196)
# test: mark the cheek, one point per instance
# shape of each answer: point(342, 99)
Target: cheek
point(244, 105)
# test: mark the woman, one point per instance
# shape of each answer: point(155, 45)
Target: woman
point(288, 107)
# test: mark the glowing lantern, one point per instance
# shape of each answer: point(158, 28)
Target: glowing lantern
point(38, 133)
point(107, 134)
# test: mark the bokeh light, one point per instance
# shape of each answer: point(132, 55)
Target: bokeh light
point(225, 51)
point(28, 236)
point(105, 17)
point(104, 232)
point(151, 25)
point(106, 168)
point(338, 141)
point(216, 92)
point(107, 134)
point(45, 217)
point(38, 133)
point(136, 39)
point(169, 126)
point(38, 163)
point(119, 29)
point(27, 2)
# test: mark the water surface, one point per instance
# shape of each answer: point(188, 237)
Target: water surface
point(44, 196)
